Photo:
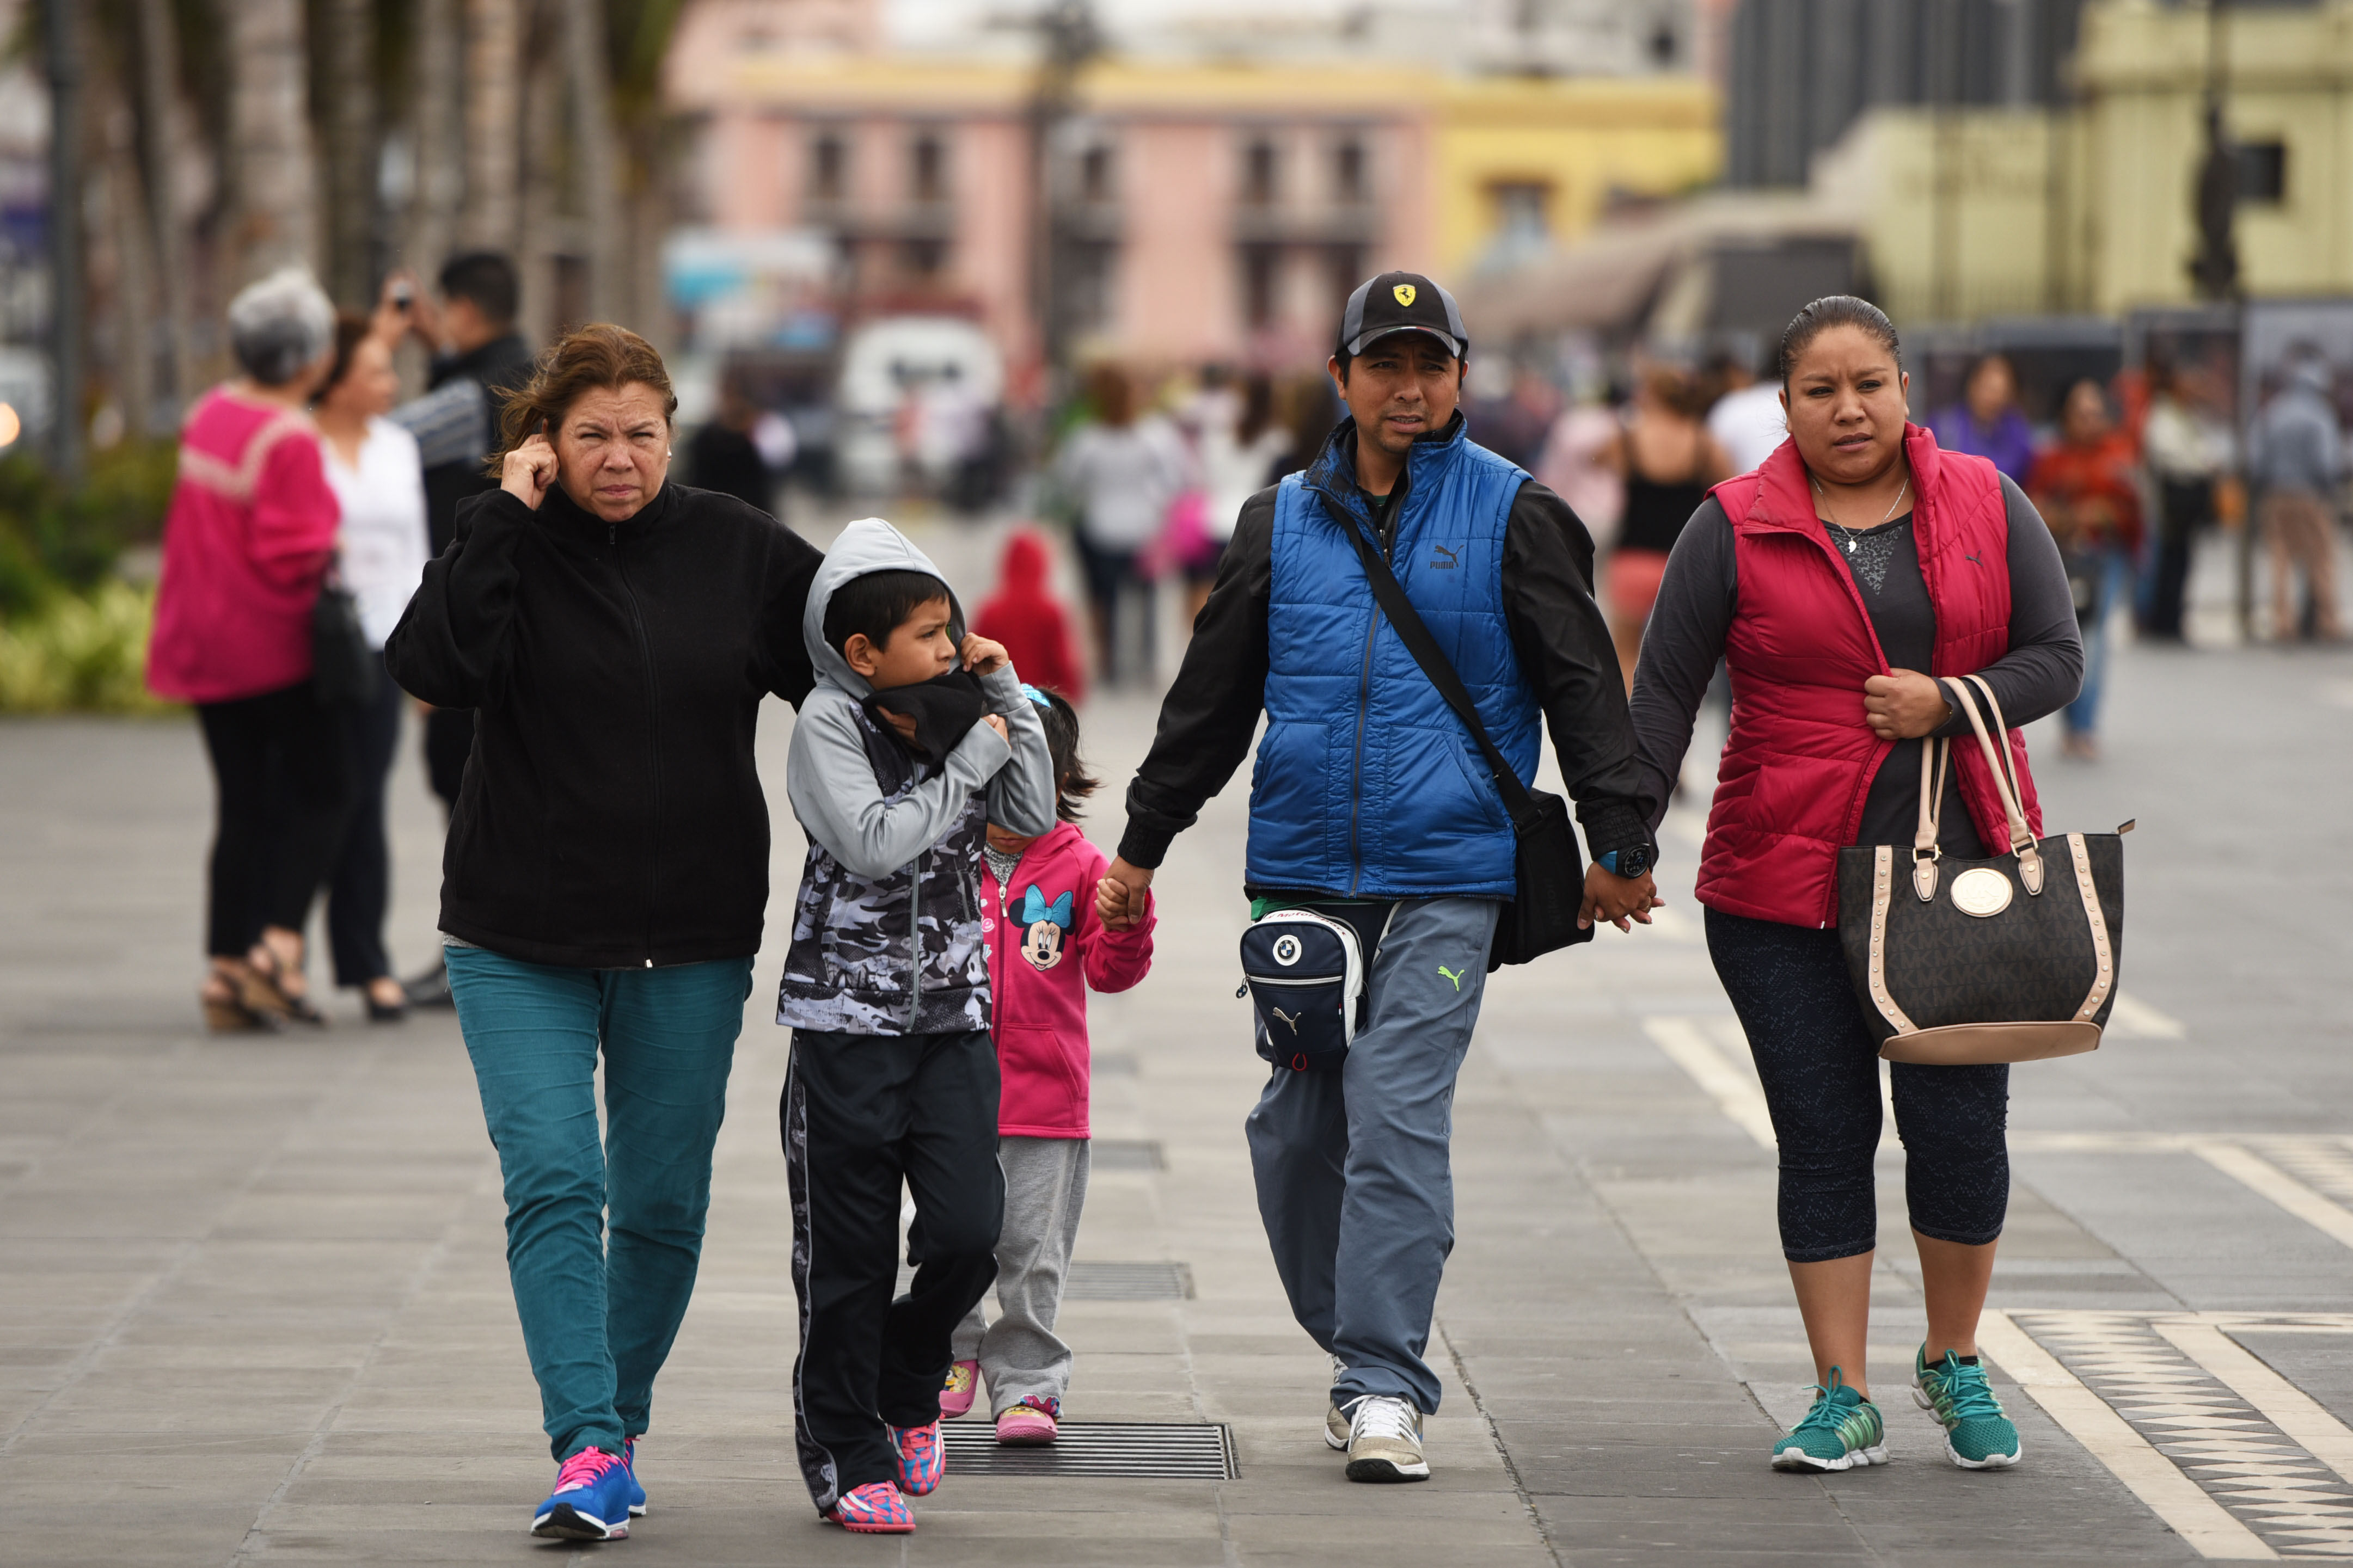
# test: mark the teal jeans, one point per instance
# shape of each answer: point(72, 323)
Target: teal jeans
point(598, 1315)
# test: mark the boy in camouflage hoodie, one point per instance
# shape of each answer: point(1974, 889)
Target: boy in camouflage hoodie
point(899, 761)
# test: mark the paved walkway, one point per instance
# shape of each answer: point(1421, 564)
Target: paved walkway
point(253, 1305)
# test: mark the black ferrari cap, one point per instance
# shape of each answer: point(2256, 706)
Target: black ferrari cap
point(1401, 302)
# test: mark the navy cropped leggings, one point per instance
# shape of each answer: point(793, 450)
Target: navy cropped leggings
point(1820, 1065)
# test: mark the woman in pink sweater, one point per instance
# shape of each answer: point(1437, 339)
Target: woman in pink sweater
point(245, 544)
point(1046, 950)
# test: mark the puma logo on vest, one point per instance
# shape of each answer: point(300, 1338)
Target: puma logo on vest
point(1972, 559)
point(1449, 562)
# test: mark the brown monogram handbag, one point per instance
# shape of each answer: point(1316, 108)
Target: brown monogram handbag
point(2009, 959)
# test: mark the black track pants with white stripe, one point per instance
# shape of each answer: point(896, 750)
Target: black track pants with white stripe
point(861, 1113)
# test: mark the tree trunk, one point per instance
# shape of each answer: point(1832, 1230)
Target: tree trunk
point(134, 263)
point(493, 123)
point(269, 139)
point(440, 177)
point(352, 151)
point(597, 167)
point(159, 116)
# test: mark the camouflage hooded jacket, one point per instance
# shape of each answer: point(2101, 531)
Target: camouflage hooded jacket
point(886, 929)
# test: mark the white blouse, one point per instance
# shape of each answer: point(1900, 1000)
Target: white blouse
point(383, 537)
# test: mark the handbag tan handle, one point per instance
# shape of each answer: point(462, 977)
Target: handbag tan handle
point(1925, 853)
point(2021, 837)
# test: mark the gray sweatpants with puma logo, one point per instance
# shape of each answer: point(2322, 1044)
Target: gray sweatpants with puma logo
point(1354, 1185)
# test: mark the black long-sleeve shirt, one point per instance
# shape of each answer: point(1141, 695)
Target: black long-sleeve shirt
point(1211, 711)
point(1700, 594)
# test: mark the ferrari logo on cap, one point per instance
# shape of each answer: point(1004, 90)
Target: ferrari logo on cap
point(1404, 293)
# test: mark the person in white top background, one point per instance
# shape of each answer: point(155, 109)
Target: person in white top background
point(1747, 421)
point(1120, 469)
point(373, 468)
point(1241, 440)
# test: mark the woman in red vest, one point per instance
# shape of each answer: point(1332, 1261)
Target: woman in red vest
point(1836, 583)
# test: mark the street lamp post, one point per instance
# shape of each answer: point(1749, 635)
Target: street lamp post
point(59, 20)
point(1067, 29)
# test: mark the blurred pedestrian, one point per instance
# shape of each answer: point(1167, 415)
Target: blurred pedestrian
point(2089, 495)
point(742, 451)
point(1830, 581)
point(2187, 451)
point(372, 466)
point(1235, 449)
point(1667, 460)
point(245, 544)
point(2296, 457)
point(1572, 468)
point(1025, 617)
point(1986, 423)
point(479, 359)
point(1123, 470)
point(1747, 421)
point(607, 868)
point(1309, 413)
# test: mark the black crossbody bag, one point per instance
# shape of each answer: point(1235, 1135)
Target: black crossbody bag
point(1549, 866)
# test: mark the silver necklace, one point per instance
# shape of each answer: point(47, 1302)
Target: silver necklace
point(1853, 534)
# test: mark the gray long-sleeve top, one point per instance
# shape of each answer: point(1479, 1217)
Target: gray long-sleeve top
point(1700, 594)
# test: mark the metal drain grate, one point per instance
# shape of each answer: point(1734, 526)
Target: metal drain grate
point(1092, 1282)
point(1135, 1450)
point(1127, 1154)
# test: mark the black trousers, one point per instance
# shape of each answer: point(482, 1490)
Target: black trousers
point(1819, 1066)
point(360, 886)
point(449, 740)
point(283, 776)
point(862, 1113)
point(2183, 508)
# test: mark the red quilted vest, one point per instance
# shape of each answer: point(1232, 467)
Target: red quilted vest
point(1790, 789)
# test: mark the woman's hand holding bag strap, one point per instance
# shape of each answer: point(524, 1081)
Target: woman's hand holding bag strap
point(2008, 959)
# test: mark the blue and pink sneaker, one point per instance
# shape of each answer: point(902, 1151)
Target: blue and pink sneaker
point(637, 1488)
point(874, 1508)
point(922, 1459)
point(591, 1501)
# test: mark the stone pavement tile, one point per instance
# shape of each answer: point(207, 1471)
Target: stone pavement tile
point(1802, 1521)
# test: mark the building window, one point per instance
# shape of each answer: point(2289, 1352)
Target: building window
point(923, 258)
point(2262, 171)
point(1097, 172)
point(1348, 182)
point(1520, 212)
point(1261, 285)
point(927, 168)
point(1262, 169)
point(1094, 278)
point(828, 167)
point(1344, 269)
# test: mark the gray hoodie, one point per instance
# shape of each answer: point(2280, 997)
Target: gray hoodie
point(886, 932)
point(2294, 444)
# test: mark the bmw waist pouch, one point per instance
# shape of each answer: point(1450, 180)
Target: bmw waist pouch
point(1304, 973)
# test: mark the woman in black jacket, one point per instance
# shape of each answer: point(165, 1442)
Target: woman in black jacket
point(607, 867)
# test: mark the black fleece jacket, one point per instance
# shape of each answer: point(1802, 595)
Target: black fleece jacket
point(611, 817)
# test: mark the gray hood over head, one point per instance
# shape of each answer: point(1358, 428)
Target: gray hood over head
point(869, 545)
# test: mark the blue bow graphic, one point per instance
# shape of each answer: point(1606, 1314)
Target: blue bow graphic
point(1034, 907)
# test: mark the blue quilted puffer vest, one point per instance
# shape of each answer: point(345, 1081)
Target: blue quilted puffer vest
point(1367, 783)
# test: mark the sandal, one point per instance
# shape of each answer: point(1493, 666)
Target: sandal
point(263, 989)
point(226, 1011)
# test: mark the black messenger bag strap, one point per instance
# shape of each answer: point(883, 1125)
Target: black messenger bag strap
point(1390, 596)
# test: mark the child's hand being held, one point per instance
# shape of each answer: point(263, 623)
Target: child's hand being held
point(983, 657)
point(996, 723)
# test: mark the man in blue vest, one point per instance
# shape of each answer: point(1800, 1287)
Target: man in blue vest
point(1371, 805)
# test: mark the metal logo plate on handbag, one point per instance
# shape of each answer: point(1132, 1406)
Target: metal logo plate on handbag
point(1981, 891)
point(1286, 949)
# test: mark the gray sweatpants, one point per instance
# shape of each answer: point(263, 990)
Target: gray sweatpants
point(1045, 1188)
point(1354, 1182)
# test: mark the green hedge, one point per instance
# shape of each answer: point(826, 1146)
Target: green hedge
point(73, 637)
point(79, 653)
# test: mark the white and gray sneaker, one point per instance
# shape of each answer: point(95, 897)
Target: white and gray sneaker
point(1335, 1421)
point(1385, 1440)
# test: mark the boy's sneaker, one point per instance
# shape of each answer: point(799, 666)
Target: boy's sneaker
point(637, 1488)
point(1385, 1440)
point(1335, 1420)
point(1978, 1436)
point(874, 1508)
point(922, 1459)
point(956, 1394)
point(1032, 1424)
point(1841, 1432)
point(591, 1501)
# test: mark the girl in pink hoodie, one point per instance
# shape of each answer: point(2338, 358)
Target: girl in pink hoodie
point(1046, 947)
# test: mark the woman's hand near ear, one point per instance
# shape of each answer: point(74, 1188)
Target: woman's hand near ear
point(530, 470)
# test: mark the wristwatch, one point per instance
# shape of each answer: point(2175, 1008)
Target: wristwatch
point(1628, 863)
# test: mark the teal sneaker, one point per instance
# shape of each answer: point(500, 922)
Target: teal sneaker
point(1841, 1432)
point(1978, 1435)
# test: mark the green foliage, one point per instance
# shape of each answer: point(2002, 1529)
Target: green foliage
point(83, 653)
point(53, 538)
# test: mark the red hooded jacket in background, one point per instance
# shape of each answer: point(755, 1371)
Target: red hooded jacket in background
point(1046, 950)
point(1025, 617)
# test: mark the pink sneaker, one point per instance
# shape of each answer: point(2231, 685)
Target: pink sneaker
point(874, 1508)
point(1030, 1424)
point(963, 1382)
point(922, 1460)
